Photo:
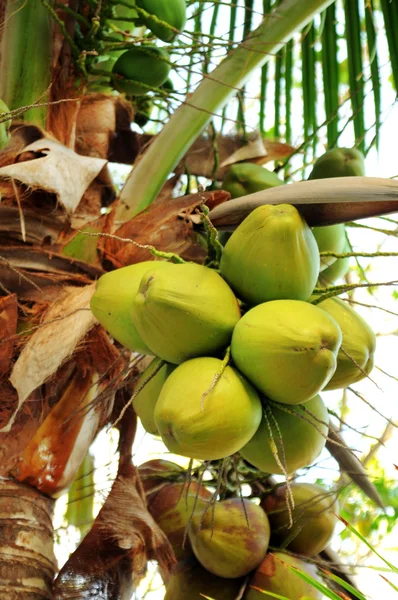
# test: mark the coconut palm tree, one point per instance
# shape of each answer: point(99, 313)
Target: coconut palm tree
point(66, 111)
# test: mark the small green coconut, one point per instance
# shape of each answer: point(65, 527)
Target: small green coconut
point(112, 300)
point(331, 238)
point(355, 359)
point(231, 540)
point(248, 178)
point(145, 401)
point(187, 311)
point(271, 255)
point(313, 515)
point(339, 162)
point(337, 270)
point(172, 12)
point(147, 64)
point(276, 576)
point(203, 417)
point(299, 436)
point(287, 349)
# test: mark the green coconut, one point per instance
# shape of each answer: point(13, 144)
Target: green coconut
point(232, 540)
point(145, 401)
point(313, 515)
point(112, 300)
point(339, 162)
point(287, 349)
point(331, 238)
point(186, 312)
point(190, 581)
point(172, 12)
point(148, 65)
point(299, 435)
point(201, 417)
point(271, 255)
point(337, 270)
point(248, 178)
point(355, 359)
point(276, 576)
point(173, 506)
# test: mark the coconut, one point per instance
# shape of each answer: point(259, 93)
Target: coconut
point(331, 238)
point(287, 349)
point(173, 506)
point(248, 178)
point(172, 12)
point(299, 437)
point(337, 270)
point(276, 576)
point(206, 418)
point(190, 581)
point(232, 540)
point(158, 472)
point(355, 359)
point(145, 401)
point(339, 162)
point(313, 517)
point(112, 300)
point(271, 255)
point(148, 65)
point(188, 311)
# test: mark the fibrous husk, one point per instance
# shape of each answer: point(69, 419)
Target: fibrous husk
point(313, 517)
point(271, 255)
point(287, 349)
point(299, 437)
point(184, 310)
point(205, 411)
point(233, 540)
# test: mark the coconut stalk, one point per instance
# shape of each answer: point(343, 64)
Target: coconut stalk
point(213, 93)
point(320, 201)
point(25, 56)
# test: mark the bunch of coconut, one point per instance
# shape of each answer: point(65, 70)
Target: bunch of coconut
point(241, 354)
point(223, 547)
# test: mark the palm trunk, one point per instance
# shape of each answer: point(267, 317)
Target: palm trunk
point(27, 561)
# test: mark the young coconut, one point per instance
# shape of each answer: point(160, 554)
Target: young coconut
point(148, 65)
point(173, 506)
point(200, 416)
point(313, 516)
point(112, 300)
point(171, 12)
point(339, 162)
point(287, 349)
point(355, 359)
point(185, 310)
point(248, 178)
point(299, 437)
point(190, 581)
point(337, 270)
point(274, 575)
point(331, 238)
point(157, 472)
point(145, 401)
point(271, 255)
point(233, 540)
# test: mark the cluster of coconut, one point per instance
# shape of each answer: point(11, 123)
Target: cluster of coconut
point(219, 545)
point(241, 354)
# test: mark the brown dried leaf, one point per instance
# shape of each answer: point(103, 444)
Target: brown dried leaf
point(165, 226)
point(68, 321)
point(38, 226)
point(8, 328)
point(114, 554)
point(49, 166)
point(253, 150)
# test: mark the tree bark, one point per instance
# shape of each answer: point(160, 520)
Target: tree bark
point(27, 561)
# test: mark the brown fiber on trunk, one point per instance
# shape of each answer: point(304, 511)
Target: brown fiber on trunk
point(27, 561)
